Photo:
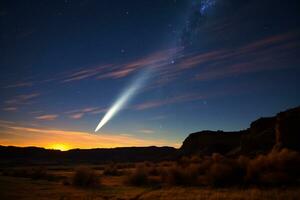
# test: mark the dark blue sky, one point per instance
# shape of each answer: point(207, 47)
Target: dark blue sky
point(217, 64)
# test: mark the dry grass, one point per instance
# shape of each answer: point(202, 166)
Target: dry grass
point(210, 177)
point(20, 188)
point(184, 193)
point(85, 177)
point(112, 170)
point(139, 177)
point(277, 168)
point(36, 173)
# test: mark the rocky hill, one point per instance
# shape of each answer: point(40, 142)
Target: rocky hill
point(282, 130)
point(207, 142)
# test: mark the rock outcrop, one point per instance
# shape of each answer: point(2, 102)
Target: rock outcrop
point(287, 129)
point(280, 131)
point(208, 142)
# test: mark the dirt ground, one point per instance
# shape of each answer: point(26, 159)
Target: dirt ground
point(113, 188)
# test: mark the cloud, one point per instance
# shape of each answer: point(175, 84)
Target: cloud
point(168, 101)
point(116, 71)
point(256, 48)
point(79, 113)
point(154, 60)
point(22, 99)
point(5, 122)
point(20, 84)
point(201, 58)
point(267, 54)
point(158, 117)
point(28, 136)
point(117, 74)
point(77, 116)
point(235, 69)
point(14, 103)
point(85, 73)
point(47, 117)
point(10, 109)
point(147, 131)
point(260, 53)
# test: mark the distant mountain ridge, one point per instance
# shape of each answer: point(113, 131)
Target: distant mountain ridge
point(33, 155)
point(282, 130)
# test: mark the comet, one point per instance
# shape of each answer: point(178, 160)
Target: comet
point(124, 98)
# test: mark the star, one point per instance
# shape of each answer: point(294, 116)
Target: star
point(206, 4)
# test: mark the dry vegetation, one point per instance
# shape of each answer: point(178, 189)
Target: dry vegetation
point(274, 169)
point(275, 175)
point(85, 177)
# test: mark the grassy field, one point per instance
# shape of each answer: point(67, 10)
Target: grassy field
point(113, 185)
point(24, 188)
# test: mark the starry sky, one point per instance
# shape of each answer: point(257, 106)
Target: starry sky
point(210, 64)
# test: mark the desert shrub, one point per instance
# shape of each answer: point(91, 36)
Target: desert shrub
point(216, 157)
point(147, 164)
point(276, 168)
point(195, 159)
point(37, 173)
point(125, 165)
point(100, 167)
point(218, 174)
point(225, 173)
point(179, 175)
point(66, 181)
point(111, 170)
point(154, 171)
point(183, 161)
point(204, 166)
point(17, 173)
point(139, 177)
point(243, 161)
point(85, 177)
point(166, 164)
point(274, 178)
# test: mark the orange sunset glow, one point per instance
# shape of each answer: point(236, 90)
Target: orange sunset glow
point(68, 139)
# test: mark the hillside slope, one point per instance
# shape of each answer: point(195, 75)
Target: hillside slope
point(282, 130)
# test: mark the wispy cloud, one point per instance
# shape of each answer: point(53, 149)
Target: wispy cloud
point(85, 73)
point(14, 103)
point(79, 113)
point(169, 70)
point(167, 101)
point(120, 73)
point(22, 99)
point(19, 84)
point(147, 131)
point(158, 117)
point(116, 71)
point(47, 117)
point(10, 108)
point(257, 47)
point(235, 69)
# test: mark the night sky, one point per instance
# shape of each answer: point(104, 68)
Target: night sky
point(205, 64)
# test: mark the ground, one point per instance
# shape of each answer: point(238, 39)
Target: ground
point(113, 187)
